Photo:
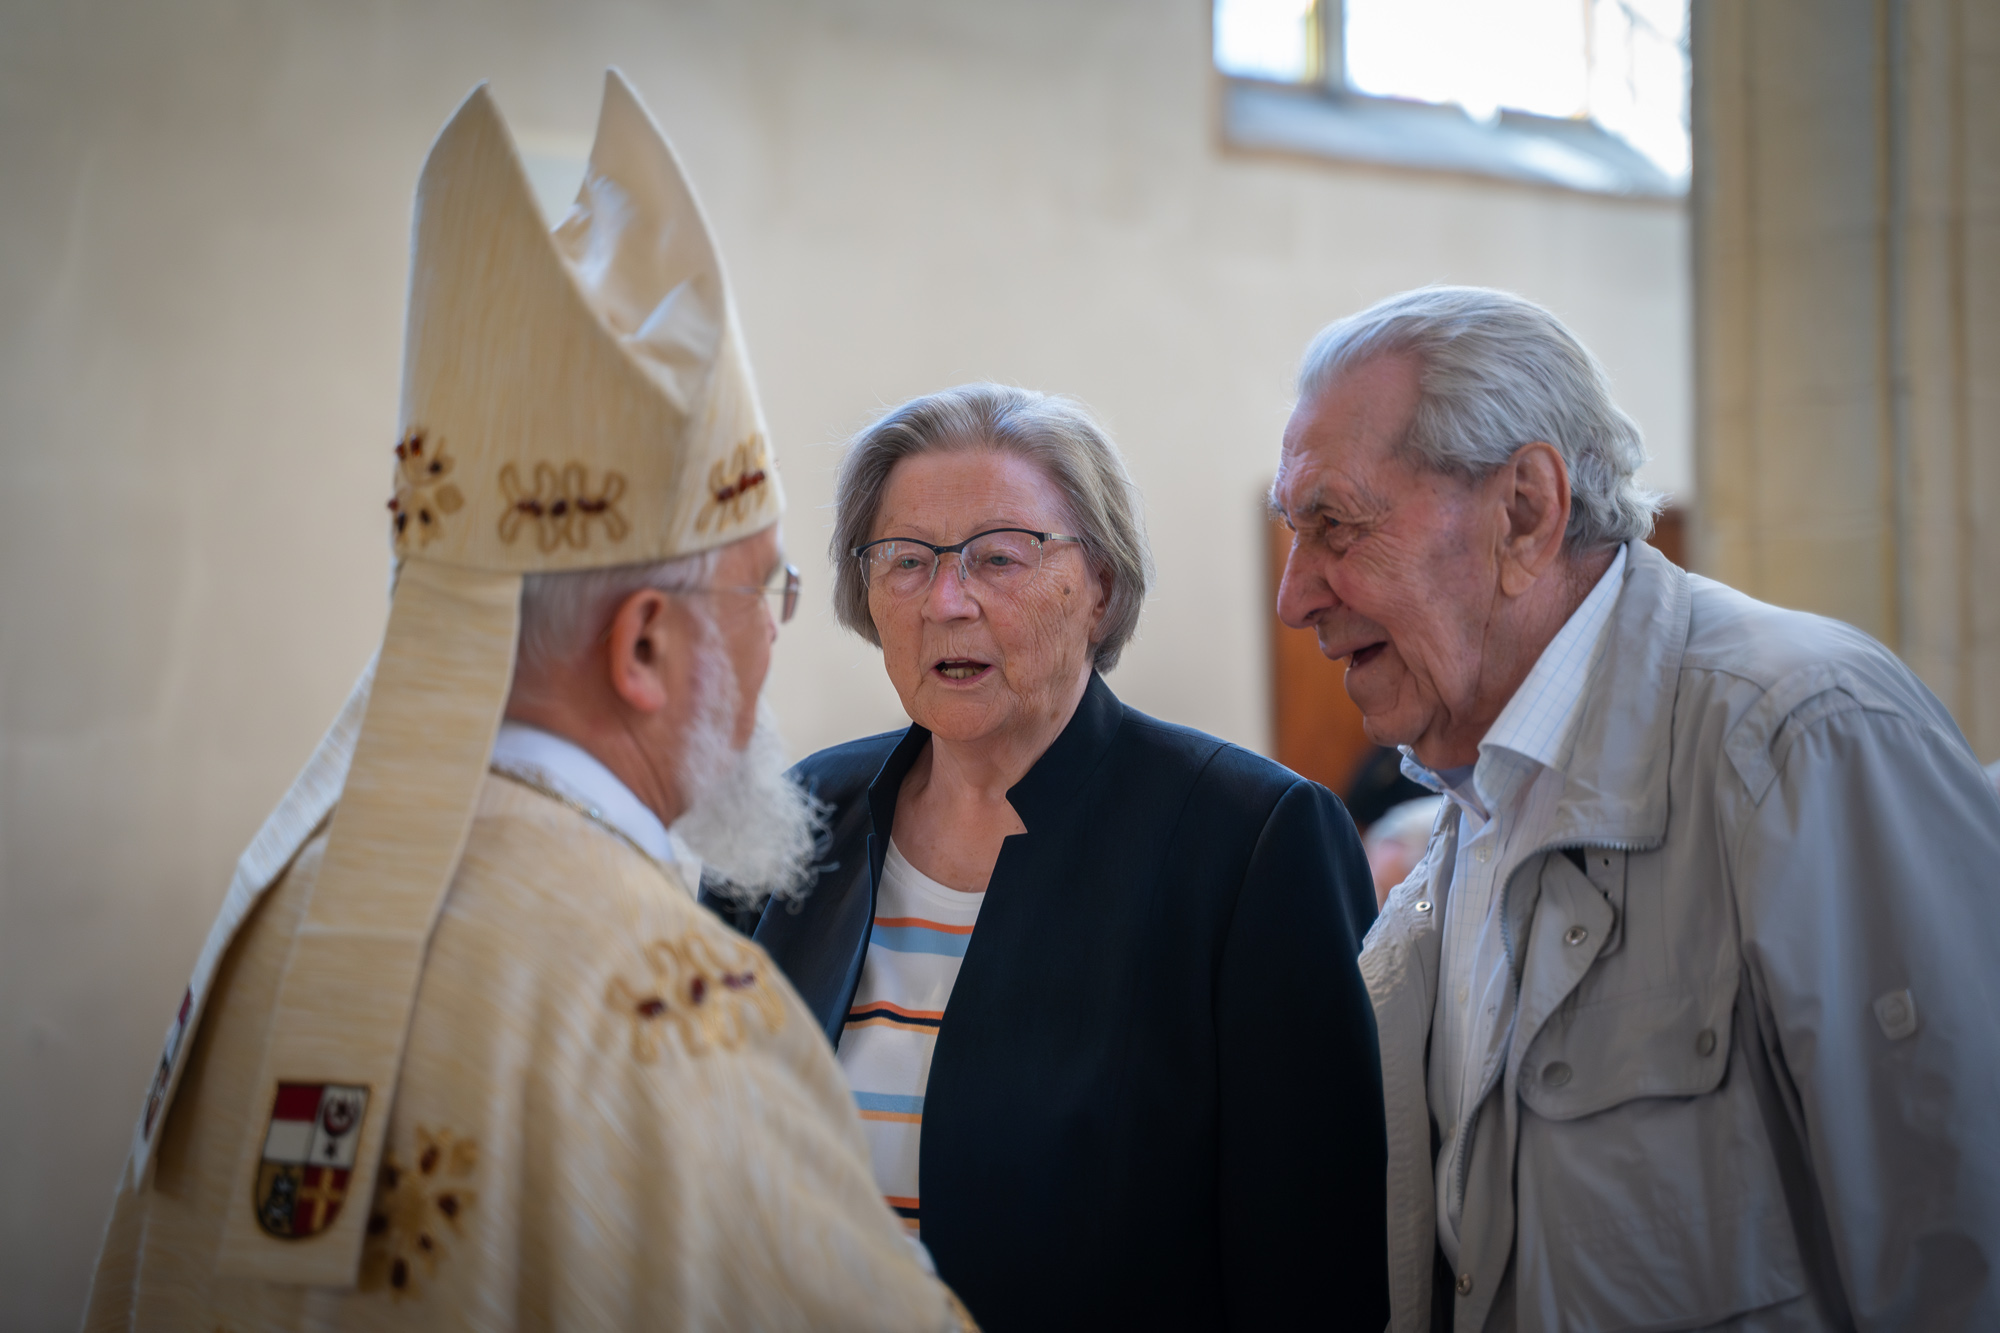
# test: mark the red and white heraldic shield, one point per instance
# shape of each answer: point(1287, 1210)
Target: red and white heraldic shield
point(308, 1157)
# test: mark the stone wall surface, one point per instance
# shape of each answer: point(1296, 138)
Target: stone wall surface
point(1846, 212)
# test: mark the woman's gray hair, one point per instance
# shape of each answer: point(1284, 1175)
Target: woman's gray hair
point(563, 613)
point(1057, 434)
point(1500, 372)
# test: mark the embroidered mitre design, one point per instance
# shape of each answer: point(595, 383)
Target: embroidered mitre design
point(592, 381)
point(423, 495)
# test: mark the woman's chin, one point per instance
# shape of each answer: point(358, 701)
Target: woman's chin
point(952, 715)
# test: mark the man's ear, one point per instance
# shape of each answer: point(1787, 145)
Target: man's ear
point(643, 654)
point(1536, 498)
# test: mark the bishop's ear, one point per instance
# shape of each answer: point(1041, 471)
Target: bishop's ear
point(645, 651)
point(1535, 493)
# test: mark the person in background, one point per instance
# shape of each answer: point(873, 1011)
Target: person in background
point(463, 1052)
point(1395, 843)
point(1090, 974)
point(1378, 786)
point(1688, 1019)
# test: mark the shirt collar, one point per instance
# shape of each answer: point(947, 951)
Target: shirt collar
point(1536, 727)
point(569, 770)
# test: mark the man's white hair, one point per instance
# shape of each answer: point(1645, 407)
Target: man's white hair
point(756, 830)
point(563, 613)
point(1500, 372)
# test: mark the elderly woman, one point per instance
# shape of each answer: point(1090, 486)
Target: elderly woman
point(1091, 975)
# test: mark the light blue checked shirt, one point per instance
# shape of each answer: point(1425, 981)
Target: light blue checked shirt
point(1505, 802)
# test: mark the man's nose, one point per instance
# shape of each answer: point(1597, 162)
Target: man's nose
point(1303, 593)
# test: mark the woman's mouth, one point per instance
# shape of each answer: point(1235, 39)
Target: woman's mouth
point(960, 669)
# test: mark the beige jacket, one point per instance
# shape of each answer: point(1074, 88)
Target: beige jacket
point(1754, 1079)
point(613, 1114)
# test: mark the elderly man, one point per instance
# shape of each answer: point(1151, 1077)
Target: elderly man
point(465, 1052)
point(1687, 1018)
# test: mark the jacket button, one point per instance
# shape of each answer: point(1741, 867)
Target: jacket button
point(1555, 1074)
point(1575, 935)
point(1423, 906)
point(1704, 1043)
point(1465, 1284)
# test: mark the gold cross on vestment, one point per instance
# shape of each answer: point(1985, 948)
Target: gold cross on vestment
point(319, 1195)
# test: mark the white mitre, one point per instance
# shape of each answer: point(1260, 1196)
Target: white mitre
point(570, 401)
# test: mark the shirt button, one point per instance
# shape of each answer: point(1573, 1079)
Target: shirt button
point(1482, 854)
point(1555, 1074)
point(1465, 1284)
point(1462, 993)
point(1575, 935)
point(1704, 1043)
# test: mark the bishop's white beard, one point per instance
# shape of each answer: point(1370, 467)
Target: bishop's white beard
point(757, 832)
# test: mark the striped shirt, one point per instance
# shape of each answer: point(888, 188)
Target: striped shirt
point(1506, 802)
point(919, 935)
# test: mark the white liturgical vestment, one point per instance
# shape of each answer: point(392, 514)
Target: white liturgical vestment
point(613, 1113)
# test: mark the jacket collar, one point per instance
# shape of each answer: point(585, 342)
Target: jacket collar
point(1041, 794)
point(1615, 786)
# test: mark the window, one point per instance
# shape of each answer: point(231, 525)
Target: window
point(1591, 94)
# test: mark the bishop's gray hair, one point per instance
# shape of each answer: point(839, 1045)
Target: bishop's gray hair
point(1056, 434)
point(563, 613)
point(1500, 372)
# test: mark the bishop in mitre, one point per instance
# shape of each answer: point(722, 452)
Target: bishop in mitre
point(462, 1051)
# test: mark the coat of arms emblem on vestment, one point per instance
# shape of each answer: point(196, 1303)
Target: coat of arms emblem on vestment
point(308, 1157)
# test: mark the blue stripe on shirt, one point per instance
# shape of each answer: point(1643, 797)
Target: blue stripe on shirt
point(915, 939)
point(889, 1101)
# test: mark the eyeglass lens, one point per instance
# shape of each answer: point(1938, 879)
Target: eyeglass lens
point(997, 562)
point(784, 585)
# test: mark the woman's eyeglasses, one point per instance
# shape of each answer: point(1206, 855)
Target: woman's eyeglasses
point(999, 561)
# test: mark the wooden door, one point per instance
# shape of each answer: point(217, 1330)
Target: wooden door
point(1316, 726)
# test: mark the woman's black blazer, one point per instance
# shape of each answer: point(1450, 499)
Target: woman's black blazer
point(1155, 1101)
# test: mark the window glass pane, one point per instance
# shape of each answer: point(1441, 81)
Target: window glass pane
point(1639, 77)
point(1622, 63)
point(1267, 39)
point(1481, 54)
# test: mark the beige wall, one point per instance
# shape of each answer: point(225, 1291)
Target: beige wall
point(203, 213)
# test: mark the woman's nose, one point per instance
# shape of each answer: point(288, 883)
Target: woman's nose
point(948, 597)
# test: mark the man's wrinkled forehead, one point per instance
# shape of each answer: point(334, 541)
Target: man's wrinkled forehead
point(1339, 441)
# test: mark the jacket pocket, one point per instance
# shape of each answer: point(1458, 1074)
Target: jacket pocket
point(1648, 1195)
point(1668, 1042)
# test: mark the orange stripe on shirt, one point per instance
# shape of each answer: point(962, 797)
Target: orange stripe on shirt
point(922, 924)
point(874, 1005)
point(902, 1117)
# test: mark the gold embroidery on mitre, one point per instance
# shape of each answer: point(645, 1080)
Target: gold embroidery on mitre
point(708, 992)
point(415, 1206)
point(561, 505)
point(735, 485)
point(423, 496)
